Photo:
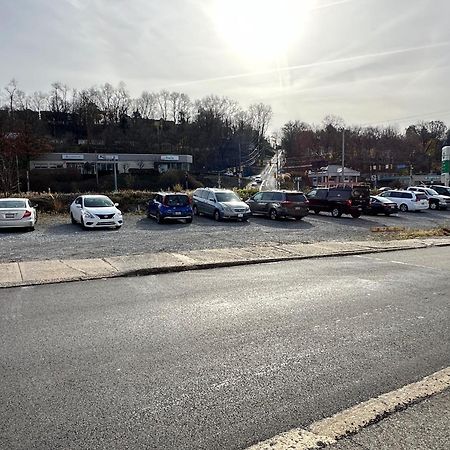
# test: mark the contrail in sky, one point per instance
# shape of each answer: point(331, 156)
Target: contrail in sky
point(317, 64)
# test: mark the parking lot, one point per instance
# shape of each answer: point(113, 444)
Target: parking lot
point(55, 237)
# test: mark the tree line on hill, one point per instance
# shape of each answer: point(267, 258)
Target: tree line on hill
point(217, 131)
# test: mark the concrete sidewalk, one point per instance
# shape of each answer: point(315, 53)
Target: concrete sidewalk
point(55, 271)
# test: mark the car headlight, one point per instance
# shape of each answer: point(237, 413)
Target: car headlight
point(88, 215)
point(227, 208)
point(119, 213)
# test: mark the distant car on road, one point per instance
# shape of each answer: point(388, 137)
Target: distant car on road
point(339, 200)
point(170, 206)
point(258, 179)
point(407, 200)
point(435, 200)
point(93, 211)
point(17, 213)
point(381, 205)
point(277, 204)
point(219, 204)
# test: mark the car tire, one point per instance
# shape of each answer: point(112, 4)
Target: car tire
point(336, 212)
point(159, 218)
point(216, 215)
point(403, 207)
point(30, 228)
point(387, 214)
point(433, 205)
point(317, 211)
point(189, 220)
point(195, 209)
point(118, 227)
point(273, 214)
point(72, 219)
point(356, 215)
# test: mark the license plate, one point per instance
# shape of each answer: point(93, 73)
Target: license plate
point(177, 213)
point(297, 207)
point(240, 215)
point(9, 216)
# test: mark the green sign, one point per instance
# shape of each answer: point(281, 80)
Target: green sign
point(446, 166)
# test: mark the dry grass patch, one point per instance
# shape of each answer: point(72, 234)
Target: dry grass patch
point(410, 233)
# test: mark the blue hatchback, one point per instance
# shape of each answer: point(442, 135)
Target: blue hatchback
point(170, 206)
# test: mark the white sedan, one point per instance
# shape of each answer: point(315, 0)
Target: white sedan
point(92, 211)
point(17, 212)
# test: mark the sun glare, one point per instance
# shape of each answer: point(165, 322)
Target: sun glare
point(260, 29)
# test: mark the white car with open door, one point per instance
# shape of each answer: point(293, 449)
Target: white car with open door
point(17, 213)
point(93, 211)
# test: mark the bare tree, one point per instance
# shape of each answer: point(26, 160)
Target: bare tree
point(38, 100)
point(11, 89)
point(163, 98)
point(146, 105)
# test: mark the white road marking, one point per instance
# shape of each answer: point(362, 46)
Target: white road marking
point(399, 262)
point(331, 429)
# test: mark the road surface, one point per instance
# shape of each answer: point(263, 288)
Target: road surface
point(216, 359)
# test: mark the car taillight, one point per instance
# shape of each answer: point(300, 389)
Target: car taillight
point(286, 203)
point(417, 199)
point(26, 214)
point(306, 202)
point(348, 203)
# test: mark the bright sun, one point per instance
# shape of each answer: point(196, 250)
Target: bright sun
point(260, 29)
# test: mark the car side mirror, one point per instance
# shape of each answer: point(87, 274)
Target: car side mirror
point(78, 205)
point(116, 204)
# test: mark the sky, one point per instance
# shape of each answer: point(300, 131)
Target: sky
point(371, 62)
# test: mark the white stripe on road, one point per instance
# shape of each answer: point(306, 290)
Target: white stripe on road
point(331, 429)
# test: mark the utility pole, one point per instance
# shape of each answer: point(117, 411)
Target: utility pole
point(115, 176)
point(240, 166)
point(343, 155)
point(278, 170)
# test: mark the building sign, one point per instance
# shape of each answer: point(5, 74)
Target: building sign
point(170, 158)
point(73, 156)
point(108, 157)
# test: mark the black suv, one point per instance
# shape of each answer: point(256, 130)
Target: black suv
point(339, 200)
point(276, 204)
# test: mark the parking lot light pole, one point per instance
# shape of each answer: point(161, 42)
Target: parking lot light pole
point(115, 176)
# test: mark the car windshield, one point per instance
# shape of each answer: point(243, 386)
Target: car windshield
point(432, 192)
point(97, 202)
point(227, 197)
point(7, 204)
point(176, 200)
point(295, 198)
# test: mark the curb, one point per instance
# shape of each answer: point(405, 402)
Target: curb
point(330, 430)
point(191, 266)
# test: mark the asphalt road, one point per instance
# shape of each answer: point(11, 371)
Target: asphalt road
point(56, 238)
point(216, 359)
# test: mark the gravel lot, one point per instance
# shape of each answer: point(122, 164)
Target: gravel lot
point(56, 238)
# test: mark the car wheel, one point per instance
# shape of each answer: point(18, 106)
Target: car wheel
point(433, 205)
point(273, 214)
point(216, 215)
point(356, 215)
point(159, 218)
point(118, 227)
point(189, 220)
point(317, 211)
point(403, 207)
point(195, 209)
point(30, 228)
point(82, 222)
point(72, 219)
point(387, 214)
point(336, 212)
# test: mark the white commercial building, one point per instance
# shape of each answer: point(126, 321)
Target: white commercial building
point(331, 175)
point(98, 162)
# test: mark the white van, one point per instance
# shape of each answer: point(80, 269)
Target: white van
point(407, 200)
